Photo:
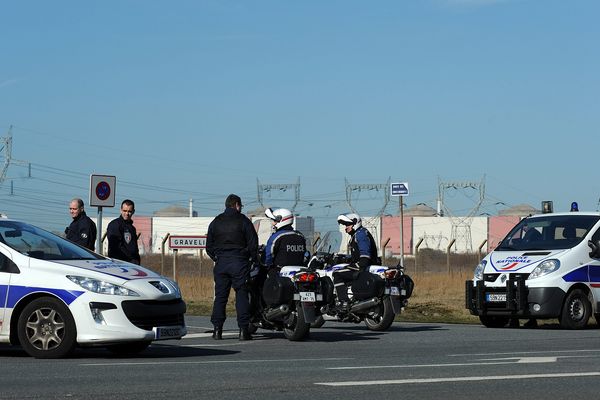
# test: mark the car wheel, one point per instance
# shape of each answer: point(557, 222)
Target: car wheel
point(46, 328)
point(576, 311)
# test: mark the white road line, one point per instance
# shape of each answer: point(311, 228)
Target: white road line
point(524, 352)
point(208, 334)
point(213, 362)
point(457, 379)
point(515, 361)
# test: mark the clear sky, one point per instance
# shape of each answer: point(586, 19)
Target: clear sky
point(197, 99)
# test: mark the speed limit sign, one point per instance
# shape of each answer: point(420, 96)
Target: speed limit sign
point(102, 190)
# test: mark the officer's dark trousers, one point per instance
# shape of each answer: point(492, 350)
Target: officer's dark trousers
point(342, 278)
point(230, 272)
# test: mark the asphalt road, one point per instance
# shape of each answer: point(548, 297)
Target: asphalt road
point(410, 361)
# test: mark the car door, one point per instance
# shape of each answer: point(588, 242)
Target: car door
point(7, 269)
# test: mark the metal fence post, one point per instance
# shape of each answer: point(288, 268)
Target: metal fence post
point(162, 254)
point(448, 254)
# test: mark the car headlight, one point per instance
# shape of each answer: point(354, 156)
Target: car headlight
point(478, 274)
point(102, 287)
point(544, 268)
point(175, 286)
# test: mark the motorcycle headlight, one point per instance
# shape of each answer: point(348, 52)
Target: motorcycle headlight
point(478, 274)
point(101, 287)
point(544, 268)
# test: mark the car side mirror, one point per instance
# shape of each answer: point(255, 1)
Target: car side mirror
point(595, 247)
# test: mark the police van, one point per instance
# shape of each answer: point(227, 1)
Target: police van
point(56, 295)
point(548, 266)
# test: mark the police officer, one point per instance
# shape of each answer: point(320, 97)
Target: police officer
point(286, 246)
point(232, 243)
point(82, 229)
point(122, 235)
point(363, 253)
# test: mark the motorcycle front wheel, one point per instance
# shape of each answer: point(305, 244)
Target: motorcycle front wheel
point(296, 328)
point(384, 318)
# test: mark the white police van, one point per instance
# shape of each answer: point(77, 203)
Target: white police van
point(548, 266)
point(56, 295)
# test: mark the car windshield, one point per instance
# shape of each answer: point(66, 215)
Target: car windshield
point(548, 232)
point(38, 243)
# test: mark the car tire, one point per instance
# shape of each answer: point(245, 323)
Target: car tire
point(46, 328)
point(576, 310)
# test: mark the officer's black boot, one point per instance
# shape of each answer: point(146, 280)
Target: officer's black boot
point(245, 334)
point(218, 333)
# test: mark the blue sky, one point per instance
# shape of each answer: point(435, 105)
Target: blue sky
point(202, 98)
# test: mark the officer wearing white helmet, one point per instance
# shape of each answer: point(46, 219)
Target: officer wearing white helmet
point(363, 253)
point(285, 246)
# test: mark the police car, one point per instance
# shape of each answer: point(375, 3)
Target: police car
point(548, 266)
point(56, 295)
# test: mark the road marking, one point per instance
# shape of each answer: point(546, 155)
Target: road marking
point(457, 379)
point(524, 352)
point(502, 361)
point(208, 334)
point(213, 362)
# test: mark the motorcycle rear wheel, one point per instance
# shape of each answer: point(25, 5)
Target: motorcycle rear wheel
point(297, 328)
point(384, 319)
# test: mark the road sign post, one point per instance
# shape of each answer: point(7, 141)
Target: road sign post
point(177, 242)
point(400, 189)
point(102, 194)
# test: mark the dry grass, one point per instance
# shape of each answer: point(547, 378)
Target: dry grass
point(437, 297)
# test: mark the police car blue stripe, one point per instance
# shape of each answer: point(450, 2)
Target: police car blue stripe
point(16, 293)
point(578, 275)
point(3, 294)
point(594, 273)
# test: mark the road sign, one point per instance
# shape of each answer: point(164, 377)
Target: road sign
point(399, 189)
point(187, 242)
point(102, 190)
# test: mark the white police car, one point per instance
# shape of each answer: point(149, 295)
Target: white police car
point(56, 295)
point(548, 266)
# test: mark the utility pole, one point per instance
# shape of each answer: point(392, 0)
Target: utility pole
point(270, 188)
point(461, 225)
point(6, 148)
point(383, 187)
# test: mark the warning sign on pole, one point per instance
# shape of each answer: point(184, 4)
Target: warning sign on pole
point(102, 190)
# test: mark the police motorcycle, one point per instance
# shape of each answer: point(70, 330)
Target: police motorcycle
point(376, 295)
point(288, 299)
point(284, 298)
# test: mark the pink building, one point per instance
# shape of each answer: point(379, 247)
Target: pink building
point(390, 228)
point(498, 227)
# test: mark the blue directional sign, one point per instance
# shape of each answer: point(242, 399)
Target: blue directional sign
point(400, 189)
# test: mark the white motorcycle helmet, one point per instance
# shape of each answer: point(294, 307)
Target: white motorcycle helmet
point(281, 216)
point(350, 219)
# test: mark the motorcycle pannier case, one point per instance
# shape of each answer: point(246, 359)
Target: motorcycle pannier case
point(367, 286)
point(277, 290)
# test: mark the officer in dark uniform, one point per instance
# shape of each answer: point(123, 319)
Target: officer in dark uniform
point(285, 246)
point(232, 243)
point(82, 229)
point(363, 254)
point(122, 235)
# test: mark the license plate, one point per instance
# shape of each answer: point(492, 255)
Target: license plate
point(394, 291)
point(495, 297)
point(307, 296)
point(168, 332)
